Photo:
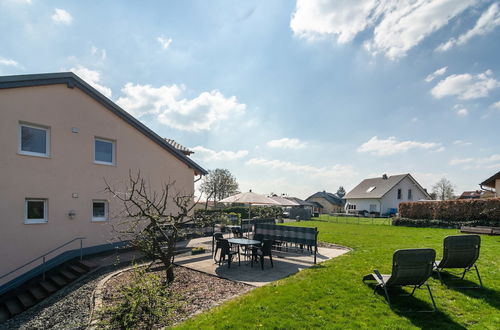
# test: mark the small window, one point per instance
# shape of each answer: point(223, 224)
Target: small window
point(399, 193)
point(34, 140)
point(409, 194)
point(370, 189)
point(35, 211)
point(104, 152)
point(99, 210)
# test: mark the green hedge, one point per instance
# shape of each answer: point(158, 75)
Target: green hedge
point(451, 213)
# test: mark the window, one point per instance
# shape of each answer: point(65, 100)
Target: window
point(99, 210)
point(35, 211)
point(399, 193)
point(409, 194)
point(369, 190)
point(34, 140)
point(104, 152)
point(351, 206)
point(373, 207)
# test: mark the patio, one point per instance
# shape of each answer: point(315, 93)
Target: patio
point(285, 263)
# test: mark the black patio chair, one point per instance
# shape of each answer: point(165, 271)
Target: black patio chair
point(227, 251)
point(410, 267)
point(259, 252)
point(216, 237)
point(460, 251)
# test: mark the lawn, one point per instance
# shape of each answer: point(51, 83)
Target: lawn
point(332, 295)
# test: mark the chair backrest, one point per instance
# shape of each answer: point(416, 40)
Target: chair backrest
point(411, 266)
point(460, 251)
point(218, 236)
point(224, 246)
point(258, 237)
point(267, 245)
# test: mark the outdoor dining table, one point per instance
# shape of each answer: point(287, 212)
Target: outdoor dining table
point(243, 242)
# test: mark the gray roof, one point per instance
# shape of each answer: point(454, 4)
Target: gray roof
point(382, 187)
point(332, 198)
point(490, 182)
point(71, 80)
point(179, 147)
point(301, 202)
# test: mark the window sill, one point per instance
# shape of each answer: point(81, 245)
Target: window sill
point(34, 222)
point(99, 220)
point(33, 154)
point(104, 163)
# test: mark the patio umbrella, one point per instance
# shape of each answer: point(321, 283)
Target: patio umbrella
point(249, 198)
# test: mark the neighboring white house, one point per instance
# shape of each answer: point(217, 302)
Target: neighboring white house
point(383, 194)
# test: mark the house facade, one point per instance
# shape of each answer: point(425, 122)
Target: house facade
point(59, 140)
point(328, 202)
point(492, 185)
point(382, 195)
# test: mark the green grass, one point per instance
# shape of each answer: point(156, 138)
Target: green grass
point(332, 295)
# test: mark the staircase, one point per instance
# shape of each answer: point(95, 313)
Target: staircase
point(39, 288)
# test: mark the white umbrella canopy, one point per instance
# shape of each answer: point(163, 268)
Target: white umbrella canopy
point(250, 198)
point(283, 201)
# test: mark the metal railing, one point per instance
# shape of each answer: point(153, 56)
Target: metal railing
point(43, 257)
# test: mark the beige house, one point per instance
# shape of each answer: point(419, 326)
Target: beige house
point(492, 185)
point(59, 139)
point(328, 203)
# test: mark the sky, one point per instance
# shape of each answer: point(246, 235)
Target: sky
point(291, 97)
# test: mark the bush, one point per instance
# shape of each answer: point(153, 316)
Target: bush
point(256, 211)
point(145, 303)
point(452, 213)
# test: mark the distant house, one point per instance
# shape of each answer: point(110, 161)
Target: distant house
point(328, 202)
point(492, 182)
point(304, 210)
point(383, 194)
point(475, 194)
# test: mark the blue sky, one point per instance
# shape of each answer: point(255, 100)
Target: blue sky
point(291, 97)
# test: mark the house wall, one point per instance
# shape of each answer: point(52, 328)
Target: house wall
point(364, 203)
point(69, 170)
point(497, 188)
point(390, 199)
point(327, 206)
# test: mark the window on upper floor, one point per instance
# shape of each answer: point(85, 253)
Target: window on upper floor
point(410, 197)
point(35, 211)
point(104, 151)
point(399, 194)
point(34, 140)
point(99, 210)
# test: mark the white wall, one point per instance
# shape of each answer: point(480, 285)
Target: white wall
point(390, 200)
point(364, 203)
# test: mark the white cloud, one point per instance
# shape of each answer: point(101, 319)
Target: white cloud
point(98, 52)
point(93, 78)
point(437, 73)
point(490, 162)
point(496, 105)
point(461, 143)
point(390, 146)
point(164, 42)
point(212, 155)
point(334, 171)
point(62, 16)
point(466, 86)
point(488, 21)
point(286, 143)
point(462, 112)
point(8, 62)
point(397, 26)
point(165, 103)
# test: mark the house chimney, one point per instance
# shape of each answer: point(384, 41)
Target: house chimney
point(384, 176)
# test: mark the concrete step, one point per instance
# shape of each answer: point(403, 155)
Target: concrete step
point(58, 280)
point(48, 286)
point(38, 292)
point(77, 270)
point(4, 313)
point(14, 306)
point(68, 275)
point(26, 299)
point(85, 264)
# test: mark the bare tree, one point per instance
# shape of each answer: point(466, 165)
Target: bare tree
point(443, 189)
point(219, 184)
point(152, 221)
point(341, 192)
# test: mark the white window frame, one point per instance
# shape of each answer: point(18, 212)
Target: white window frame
point(45, 211)
point(113, 151)
point(31, 153)
point(399, 193)
point(99, 219)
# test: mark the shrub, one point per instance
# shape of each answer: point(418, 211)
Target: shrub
point(453, 213)
point(145, 303)
point(256, 211)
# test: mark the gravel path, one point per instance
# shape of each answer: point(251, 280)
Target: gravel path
point(68, 308)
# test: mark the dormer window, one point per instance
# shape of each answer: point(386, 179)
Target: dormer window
point(369, 190)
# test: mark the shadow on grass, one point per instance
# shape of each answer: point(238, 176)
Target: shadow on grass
point(469, 288)
point(414, 308)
